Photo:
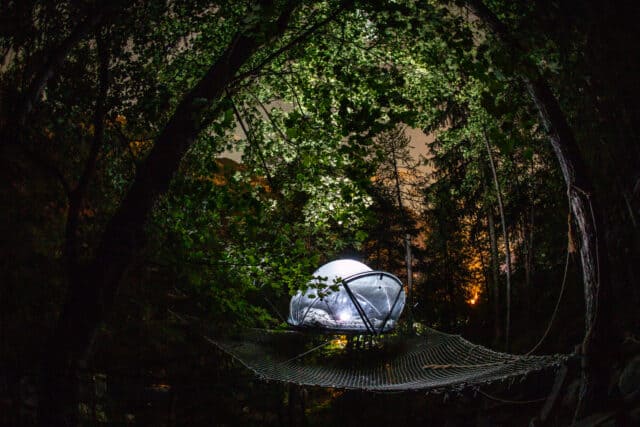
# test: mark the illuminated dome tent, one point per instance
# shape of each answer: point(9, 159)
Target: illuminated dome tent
point(348, 296)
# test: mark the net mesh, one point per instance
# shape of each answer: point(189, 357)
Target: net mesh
point(432, 362)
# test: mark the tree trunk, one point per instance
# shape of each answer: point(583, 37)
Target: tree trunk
point(77, 195)
point(595, 346)
point(495, 283)
point(407, 236)
point(409, 262)
point(91, 298)
point(527, 237)
point(530, 232)
point(507, 249)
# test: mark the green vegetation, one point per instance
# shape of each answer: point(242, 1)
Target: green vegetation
point(123, 215)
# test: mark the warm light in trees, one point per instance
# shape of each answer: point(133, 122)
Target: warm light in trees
point(475, 267)
point(473, 300)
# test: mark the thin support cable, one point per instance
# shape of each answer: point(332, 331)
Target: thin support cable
point(318, 347)
point(562, 288)
point(511, 402)
point(273, 307)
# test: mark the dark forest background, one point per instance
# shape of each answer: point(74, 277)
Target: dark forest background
point(170, 163)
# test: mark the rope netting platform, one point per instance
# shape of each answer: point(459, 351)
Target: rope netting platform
point(432, 361)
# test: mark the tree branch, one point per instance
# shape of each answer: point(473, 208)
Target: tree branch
point(247, 135)
point(77, 195)
point(126, 142)
point(91, 298)
point(50, 169)
point(55, 58)
point(272, 120)
point(293, 42)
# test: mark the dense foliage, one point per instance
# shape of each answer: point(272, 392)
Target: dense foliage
point(124, 213)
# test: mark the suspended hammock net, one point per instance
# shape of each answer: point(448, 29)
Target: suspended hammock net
point(355, 307)
point(432, 361)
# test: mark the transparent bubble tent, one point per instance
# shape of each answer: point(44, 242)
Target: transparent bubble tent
point(349, 297)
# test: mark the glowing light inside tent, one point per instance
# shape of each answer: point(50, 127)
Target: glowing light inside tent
point(355, 299)
point(344, 316)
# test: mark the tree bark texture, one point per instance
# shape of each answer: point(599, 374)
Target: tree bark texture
point(91, 298)
point(585, 211)
point(592, 248)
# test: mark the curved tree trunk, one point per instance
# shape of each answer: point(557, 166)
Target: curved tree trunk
point(585, 211)
point(595, 346)
point(91, 297)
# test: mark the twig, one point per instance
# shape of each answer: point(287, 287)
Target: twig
point(298, 39)
point(511, 402)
